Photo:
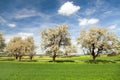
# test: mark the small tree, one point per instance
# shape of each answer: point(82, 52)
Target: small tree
point(19, 47)
point(70, 49)
point(29, 47)
point(54, 38)
point(2, 43)
point(16, 47)
point(96, 40)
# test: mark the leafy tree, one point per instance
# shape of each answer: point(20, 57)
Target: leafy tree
point(2, 43)
point(29, 47)
point(19, 47)
point(15, 47)
point(96, 40)
point(55, 38)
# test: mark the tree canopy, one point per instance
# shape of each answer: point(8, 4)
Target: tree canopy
point(54, 38)
point(96, 40)
point(19, 47)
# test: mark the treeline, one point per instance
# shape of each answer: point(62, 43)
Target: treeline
point(57, 41)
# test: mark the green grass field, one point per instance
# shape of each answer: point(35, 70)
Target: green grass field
point(107, 68)
point(58, 71)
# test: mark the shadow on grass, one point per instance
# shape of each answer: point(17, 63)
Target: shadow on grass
point(117, 60)
point(8, 59)
point(61, 61)
point(28, 61)
point(100, 61)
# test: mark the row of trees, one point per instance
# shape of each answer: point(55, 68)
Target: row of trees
point(18, 47)
point(96, 40)
point(57, 41)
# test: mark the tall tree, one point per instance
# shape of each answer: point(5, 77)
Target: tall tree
point(96, 40)
point(2, 43)
point(54, 38)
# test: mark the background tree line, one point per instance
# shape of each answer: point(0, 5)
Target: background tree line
point(57, 41)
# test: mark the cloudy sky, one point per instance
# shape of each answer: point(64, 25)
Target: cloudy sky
point(29, 17)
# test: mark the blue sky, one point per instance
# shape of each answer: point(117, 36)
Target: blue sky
point(29, 17)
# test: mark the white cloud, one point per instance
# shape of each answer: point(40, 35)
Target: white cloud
point(112, 27)
point(11, 25)
point(5, 22)
point(84, 21)
point(2, 20)
point(21, 34)
point(93, 21)
point(24, 13)
point(68, 8)
point(90, 11)
point(24, 35)
point(7, 38)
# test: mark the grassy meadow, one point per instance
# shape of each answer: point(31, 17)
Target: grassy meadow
point(73, 68)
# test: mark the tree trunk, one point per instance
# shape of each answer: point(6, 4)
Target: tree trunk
point(31, 58)
point(93, 53)
point(66, 54)
point(20, 58)
point(16, 57)
point(94, 57)
point(54, 58)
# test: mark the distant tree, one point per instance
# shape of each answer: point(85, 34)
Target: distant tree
point(96, 40)
point(54, 38)
point(2, 43)
point(16, 47)
point(70, 49)
point(29, 47)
